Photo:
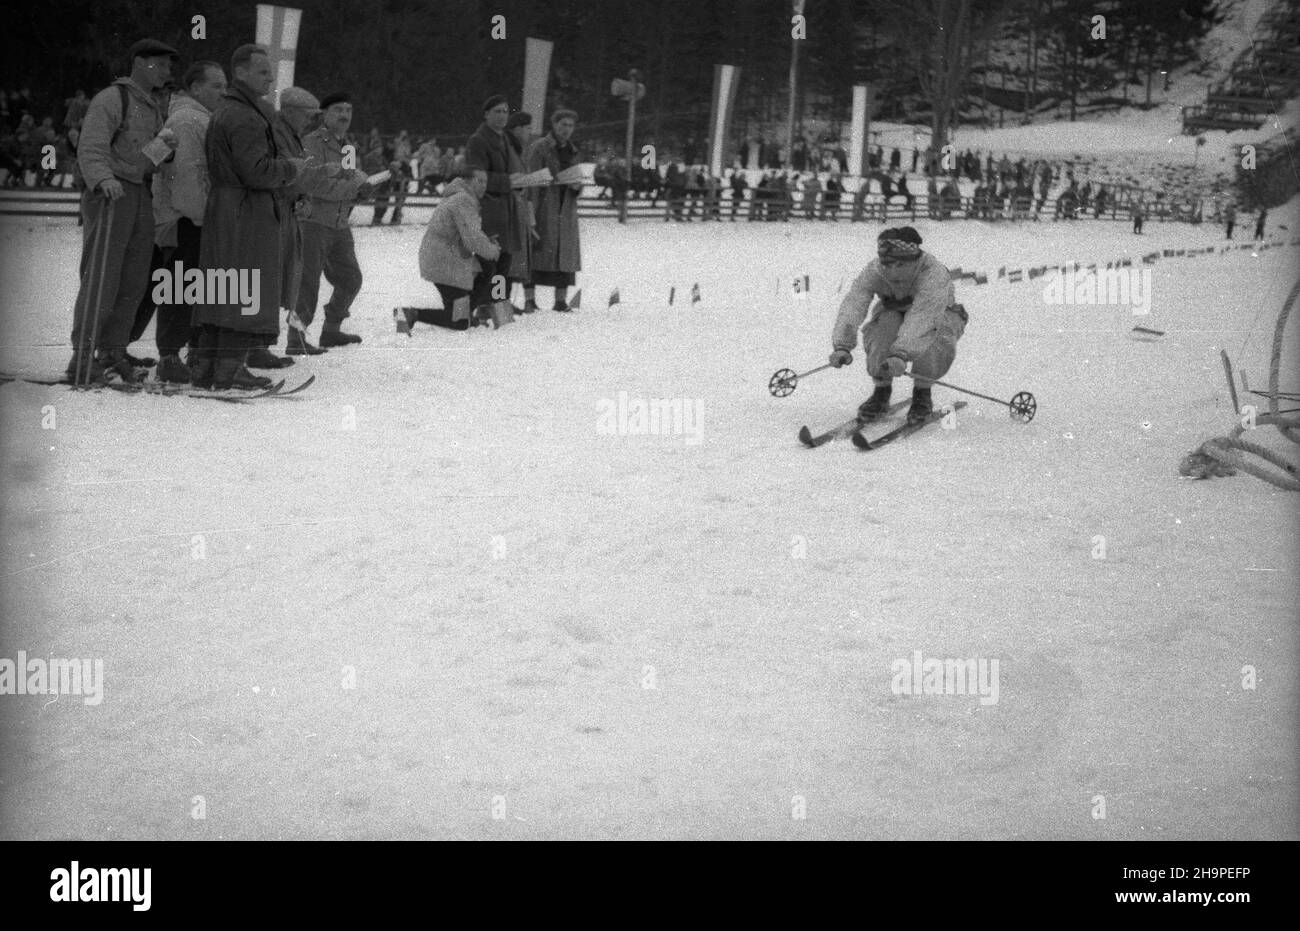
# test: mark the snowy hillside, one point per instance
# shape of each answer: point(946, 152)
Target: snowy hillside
point(433, 598)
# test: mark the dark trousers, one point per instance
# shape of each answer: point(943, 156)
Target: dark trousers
point(214, 342)
point(333, 253)
point(173, 331)
point(117, 241)
point(482, 292)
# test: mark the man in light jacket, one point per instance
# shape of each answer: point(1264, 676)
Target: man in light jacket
point(116, 207)
point(450, 253)
point(180, 195)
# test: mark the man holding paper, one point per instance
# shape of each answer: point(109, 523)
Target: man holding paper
point(327, 244)
point(558, 254)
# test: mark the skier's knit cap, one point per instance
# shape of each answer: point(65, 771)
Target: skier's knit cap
point(337, 97)
point(899, 243)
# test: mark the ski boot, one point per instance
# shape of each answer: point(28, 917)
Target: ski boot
point(922, 407)
point(877, 405)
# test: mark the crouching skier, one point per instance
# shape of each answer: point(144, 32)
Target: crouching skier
point(918, 321)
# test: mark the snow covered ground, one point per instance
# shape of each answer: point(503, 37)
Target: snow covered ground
point(433, 598)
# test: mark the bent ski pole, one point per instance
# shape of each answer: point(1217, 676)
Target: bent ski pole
point(1023, 406)
point(783, 382)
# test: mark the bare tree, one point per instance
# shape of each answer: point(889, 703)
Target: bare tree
point(941, 37)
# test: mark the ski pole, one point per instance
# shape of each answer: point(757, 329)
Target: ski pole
point(1023, 406)
point(783, 382)
point(106, 230)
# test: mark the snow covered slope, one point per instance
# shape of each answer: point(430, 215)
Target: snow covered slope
point(435, 585)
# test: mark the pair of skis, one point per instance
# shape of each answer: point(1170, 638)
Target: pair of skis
point(276, 390)
point(853, 429)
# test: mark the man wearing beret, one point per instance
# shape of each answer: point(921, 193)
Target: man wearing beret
point(117, 154)
point(488, 150)
point(327, 244)
point(918, 321)
point(297, 110)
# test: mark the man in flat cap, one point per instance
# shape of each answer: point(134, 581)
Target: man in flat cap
point(918, 321)
point(122, 143)
point(327, 244)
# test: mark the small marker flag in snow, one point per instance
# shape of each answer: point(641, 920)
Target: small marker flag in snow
point(981, 278)
point(1016, 274)
point(800, 285)
point(1002, 272)
point(577, 299)
point(613, 298)
point(672, 293)
point(695, 293)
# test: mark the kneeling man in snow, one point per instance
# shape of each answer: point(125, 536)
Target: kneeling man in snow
point(918, 321)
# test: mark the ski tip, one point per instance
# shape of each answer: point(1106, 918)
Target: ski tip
point(805, 436)
point(860, 441)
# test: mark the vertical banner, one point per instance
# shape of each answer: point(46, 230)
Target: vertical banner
point(277, 32)
point(725, 80)
point(537, 70)
point(859, 133)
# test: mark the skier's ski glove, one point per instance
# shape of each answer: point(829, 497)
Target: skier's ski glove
point(841, 357)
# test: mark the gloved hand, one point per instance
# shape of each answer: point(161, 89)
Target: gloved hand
point(840, 357)
point(894, 366)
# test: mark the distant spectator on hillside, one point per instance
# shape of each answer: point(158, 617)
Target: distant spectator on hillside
point(1259, 224)
point(1138, 213)
point(900, 189)
point(831, 198)
point(812, 190)
point(1230, 217)
point(738, 186)
point(74, 109)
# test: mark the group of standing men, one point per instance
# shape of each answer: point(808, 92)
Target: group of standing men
point(216, 214)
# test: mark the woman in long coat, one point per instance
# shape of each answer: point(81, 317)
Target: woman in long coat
point(558, 252)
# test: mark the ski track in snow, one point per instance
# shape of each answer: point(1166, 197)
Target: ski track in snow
point(439, 517)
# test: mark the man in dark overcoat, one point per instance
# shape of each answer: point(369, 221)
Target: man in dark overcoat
point(242, 224)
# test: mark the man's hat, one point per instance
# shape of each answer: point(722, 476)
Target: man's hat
point(495, 100)
point(336, 97)
point(297, 97)
point(151, 48)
